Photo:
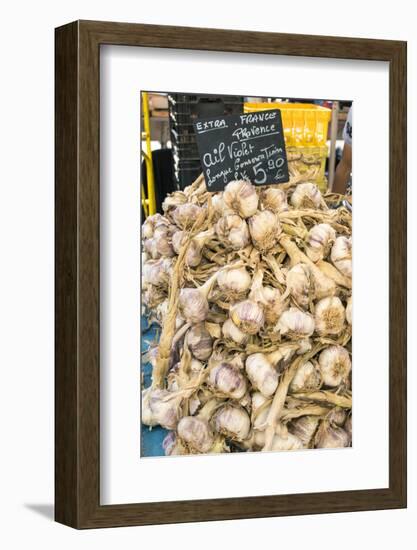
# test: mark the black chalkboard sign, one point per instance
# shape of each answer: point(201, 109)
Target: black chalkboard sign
point(247, 146)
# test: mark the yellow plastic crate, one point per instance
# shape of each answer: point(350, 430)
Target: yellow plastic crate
point(305, 124)
point(308, 164)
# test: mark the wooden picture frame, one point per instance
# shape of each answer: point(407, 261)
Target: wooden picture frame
point(77, 406)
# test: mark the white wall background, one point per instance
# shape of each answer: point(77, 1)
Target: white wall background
point(26, 272)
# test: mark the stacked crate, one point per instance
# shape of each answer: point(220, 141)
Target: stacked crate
point(184, 110)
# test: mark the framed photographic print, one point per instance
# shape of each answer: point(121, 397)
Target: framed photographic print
point(230, 274)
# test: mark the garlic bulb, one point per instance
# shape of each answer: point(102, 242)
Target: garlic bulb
point(334, 365)
point(152, 296)
point(193, 303)
point(295, 323)
point(304, 428)
point(319, 241)
point(177, 240)
point(262, 372)
point(234, 281)
point(200, 342)
point(218, 204)
point(165, 407)
point(269, 297)
point(286, 442)
point(147, 229)
point(151, 223)
point(298, 284)
point(248, 316)
point(341, 255)
point(230, 330)
point(257, 401)
point(274, 199)
point(329, 316)
point(349, 310)
point(307, 377)
point(173, 446)
point(147, 417)
point(241, 197)
point(161, 312)
point(172, 201)
point(185, 215)
point(232, 421)
point(264, 228)
point(233, 231)
point(195, 432)
point(228, 380)
point(162, 242)
point(194, 252)
point(337, 416)
point(306, 195)
point(157, 272)
point(329, 436)
point(348, 427)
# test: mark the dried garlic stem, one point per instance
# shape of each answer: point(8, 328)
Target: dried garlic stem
point(330, 271)
point(168, 329)
point(274, 414)
point(324, 396)
point(313, 410)
point(324, 286)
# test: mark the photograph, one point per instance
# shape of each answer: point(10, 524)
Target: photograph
point(246, 274)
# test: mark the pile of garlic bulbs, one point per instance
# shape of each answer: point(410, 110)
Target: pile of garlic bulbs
point(251, 288)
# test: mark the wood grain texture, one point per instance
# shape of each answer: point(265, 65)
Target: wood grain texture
point(78, 285)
